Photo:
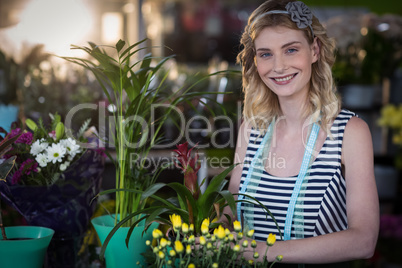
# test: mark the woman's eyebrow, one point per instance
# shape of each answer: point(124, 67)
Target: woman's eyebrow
point(283, 46)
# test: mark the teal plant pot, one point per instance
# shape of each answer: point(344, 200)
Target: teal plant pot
point(24, 253)
point(8, 115)
point(117, 254)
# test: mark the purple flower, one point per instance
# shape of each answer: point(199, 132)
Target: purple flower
point(14, 132)
point(26, 168)
point(16, 177)
point(29, 166)
point(25, 138)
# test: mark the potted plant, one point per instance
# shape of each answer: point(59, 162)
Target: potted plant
point(20, 246)
point(53, 182)
point(134, 90)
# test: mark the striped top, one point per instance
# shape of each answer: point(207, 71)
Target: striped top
point(324, 197)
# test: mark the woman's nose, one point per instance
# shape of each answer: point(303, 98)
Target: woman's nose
point(279, 64)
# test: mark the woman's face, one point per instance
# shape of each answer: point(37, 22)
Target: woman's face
point(283, 59)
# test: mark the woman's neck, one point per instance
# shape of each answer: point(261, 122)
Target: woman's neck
point(293, 115)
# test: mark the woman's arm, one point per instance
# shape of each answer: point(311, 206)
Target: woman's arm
point(359, 240)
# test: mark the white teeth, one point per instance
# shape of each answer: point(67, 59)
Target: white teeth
point(283, 79)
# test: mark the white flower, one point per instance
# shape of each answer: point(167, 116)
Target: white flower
point(72, 147)
point(63, 166)
point(42, 160)
point(38, 147)
point(56, 153)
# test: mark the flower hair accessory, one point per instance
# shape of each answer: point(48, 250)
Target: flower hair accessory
point(299, 14)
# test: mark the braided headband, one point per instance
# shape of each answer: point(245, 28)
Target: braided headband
point(299, 13)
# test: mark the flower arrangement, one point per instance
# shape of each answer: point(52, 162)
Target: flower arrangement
point(43, 154)
point(391, 117)
point(189, 203)
point(221, 248)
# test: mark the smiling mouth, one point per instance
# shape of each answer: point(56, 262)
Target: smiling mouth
point(284, 79)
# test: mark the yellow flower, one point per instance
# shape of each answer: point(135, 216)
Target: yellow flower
point(231, 237)
point(251, 262)
point(203, 241)
point(256, 255)
point(279, 258)
point(148, 243)
point(191, 265)
point(184, 228)
point(191, 239)
point(176, 221)
point(227, 232)
point(156, 233)
point(253, 244)
point(178, 246)
point(220, 232)
point(215, 265)
point(245, 243)
point(206, 222)
point(271, 239)
point(163, 242)
point(172, 253)
point(209, 245)
point(161, 255)
point(239, 236)
point(191, 228)
point(250, 233)
point(237, 226)
point(188, 249)
point(204, 229)
point(236, 248)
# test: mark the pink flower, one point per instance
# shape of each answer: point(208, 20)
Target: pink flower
point(52, 134)
point(189, 166)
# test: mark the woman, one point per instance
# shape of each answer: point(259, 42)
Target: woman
point(304, 158)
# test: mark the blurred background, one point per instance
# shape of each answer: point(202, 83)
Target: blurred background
point(204, 36)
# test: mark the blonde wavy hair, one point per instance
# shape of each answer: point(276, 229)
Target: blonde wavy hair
point(261, 105)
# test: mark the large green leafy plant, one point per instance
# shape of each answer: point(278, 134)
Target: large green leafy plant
point(132, 85)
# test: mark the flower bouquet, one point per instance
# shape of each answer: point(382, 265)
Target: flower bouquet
point(53, 182)
point(222, 248)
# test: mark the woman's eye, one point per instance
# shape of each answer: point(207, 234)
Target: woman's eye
point(291, 50)
point(265, 55)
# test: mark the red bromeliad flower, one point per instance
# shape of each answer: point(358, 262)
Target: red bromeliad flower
point(189, 166)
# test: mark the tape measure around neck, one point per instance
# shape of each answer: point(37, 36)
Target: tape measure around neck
point(308, 152)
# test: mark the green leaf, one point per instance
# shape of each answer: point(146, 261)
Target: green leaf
point(31, 124)
point(120, 44)
point(6, 167)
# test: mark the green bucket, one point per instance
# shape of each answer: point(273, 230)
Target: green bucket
point(117, 255)
point(26, 246)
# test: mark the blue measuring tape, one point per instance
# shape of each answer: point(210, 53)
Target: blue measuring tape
point(299, 181)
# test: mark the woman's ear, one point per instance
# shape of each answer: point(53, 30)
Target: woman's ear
point(316, 47)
